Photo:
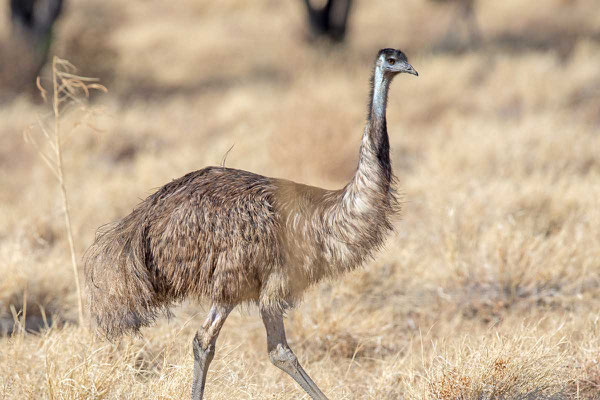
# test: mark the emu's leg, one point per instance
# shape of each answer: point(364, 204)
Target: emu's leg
point(318, 18)
point(330, 20)
point(338, 19)
point(473, 32)
point(282, 356)
point(204, 346)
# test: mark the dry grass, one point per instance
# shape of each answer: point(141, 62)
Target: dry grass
point(490, 289)
point(69, 91)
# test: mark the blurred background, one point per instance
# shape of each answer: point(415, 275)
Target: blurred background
point(493, 277)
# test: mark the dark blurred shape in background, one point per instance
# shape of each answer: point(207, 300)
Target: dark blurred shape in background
point(329, 20)
point(26, 50)
point(463, 32)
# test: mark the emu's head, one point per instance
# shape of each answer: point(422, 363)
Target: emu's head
point(392, 62)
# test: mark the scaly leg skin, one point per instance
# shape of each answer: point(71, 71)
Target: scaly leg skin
point(204, 346)
point(282, 356)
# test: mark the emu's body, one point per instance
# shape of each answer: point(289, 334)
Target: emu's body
point(232, 236)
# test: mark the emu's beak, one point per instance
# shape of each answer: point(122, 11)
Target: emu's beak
point(410, 70)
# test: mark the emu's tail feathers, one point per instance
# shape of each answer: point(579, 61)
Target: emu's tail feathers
point(121, 292)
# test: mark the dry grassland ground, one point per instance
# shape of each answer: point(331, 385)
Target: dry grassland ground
point(489, 290)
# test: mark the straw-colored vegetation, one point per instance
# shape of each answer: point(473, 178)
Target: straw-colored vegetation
point(489, 290)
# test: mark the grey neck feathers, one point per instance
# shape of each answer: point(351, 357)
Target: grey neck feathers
point(370, 190)
point(379, 91)
point(376, 136)
point(374, 163)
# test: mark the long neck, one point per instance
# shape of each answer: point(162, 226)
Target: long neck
point(373, 176)
point(361, 215)
point(375, 146)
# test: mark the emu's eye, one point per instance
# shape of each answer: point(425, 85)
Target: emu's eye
point(391, 61)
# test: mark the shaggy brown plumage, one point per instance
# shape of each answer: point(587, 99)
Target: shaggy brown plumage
point(231, 236)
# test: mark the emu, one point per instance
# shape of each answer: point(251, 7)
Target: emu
point(230, 237)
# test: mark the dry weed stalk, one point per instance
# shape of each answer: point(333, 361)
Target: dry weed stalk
point(69, 90)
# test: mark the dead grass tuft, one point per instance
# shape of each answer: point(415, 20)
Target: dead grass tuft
point(503, 368)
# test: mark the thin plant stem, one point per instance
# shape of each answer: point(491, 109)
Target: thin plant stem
point(68, 90)
point(63, 189)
